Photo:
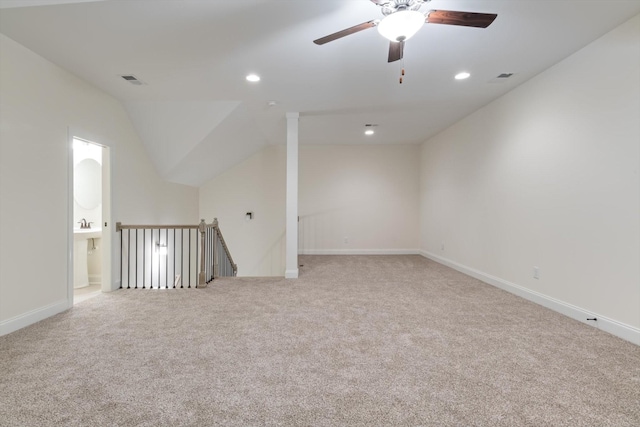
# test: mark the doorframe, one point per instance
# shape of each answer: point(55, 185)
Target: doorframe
point(107, 283)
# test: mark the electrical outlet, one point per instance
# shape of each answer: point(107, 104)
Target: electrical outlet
point(536, 273)
point(346, 240)
point(442, 247)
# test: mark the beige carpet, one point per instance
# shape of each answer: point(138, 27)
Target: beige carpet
point(356, 341)
point(85, 293)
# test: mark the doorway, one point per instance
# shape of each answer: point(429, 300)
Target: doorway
point(90, 243)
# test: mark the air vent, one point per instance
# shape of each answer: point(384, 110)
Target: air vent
point(501, 78)
point(132, 79)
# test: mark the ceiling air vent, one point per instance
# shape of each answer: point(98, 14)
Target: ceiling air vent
point(132, 79)
point(501, 78)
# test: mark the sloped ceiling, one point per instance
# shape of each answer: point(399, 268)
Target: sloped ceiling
point(233, 140)
point(197, 116)
point(171, 130)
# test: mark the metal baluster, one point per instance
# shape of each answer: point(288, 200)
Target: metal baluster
point(166, 259)
point(174, 259)
point(199, 243)
point(121, 255)
point(206, 257)
point(189, 258)
point(151, 258)
point(128, 259)
point(159, 259)
point(144, 257)
point(136, 260)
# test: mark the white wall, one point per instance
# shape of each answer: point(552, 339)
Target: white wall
point(255, 185)
point(359, 199)
point(547, 176)
point(39, 102)
point(367, 193)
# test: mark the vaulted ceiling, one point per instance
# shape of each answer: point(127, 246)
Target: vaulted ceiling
point(197, 115)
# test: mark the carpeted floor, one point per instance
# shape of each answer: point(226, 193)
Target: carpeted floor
point(356, 341)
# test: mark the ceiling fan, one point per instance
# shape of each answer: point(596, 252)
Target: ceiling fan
point(402, 19)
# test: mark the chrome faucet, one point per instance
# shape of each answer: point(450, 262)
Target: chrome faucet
point(84, 224)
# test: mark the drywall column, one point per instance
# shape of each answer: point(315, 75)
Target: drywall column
point(291, 267)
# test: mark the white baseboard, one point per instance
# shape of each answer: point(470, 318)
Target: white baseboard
point(31, 317)
point(358, 252)
point(603, 323)
point(291, 274)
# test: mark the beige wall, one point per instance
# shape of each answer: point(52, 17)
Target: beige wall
point(359, 199)
point(548, 176)
point(255, 185)
point(39, 103)
point(368, 194)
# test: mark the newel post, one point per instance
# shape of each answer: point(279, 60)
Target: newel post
point(216, 266)
point(202, 280)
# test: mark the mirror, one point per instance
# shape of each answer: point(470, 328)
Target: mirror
point(87, 184)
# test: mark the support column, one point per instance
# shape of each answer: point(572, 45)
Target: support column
point(291, 269)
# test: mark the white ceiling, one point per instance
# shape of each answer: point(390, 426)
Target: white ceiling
point(197, 116)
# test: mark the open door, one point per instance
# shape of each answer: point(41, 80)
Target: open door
point(90, 230)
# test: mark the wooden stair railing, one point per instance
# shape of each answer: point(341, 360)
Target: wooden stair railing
point(171, 256)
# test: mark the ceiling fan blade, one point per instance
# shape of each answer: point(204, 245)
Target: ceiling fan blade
point(396, 50)
point(466, 19)
point(346, 32)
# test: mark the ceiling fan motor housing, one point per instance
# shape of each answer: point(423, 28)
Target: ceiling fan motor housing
point(393, 6)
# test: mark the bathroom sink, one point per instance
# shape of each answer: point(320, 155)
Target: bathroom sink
point(81, 237)
point(86, 233)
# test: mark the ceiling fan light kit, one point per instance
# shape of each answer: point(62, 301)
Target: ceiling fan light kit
point(401, 26)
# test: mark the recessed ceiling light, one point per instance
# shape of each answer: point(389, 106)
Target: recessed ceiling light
point(368, 129)
point(253, 78)
point(462, 76)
